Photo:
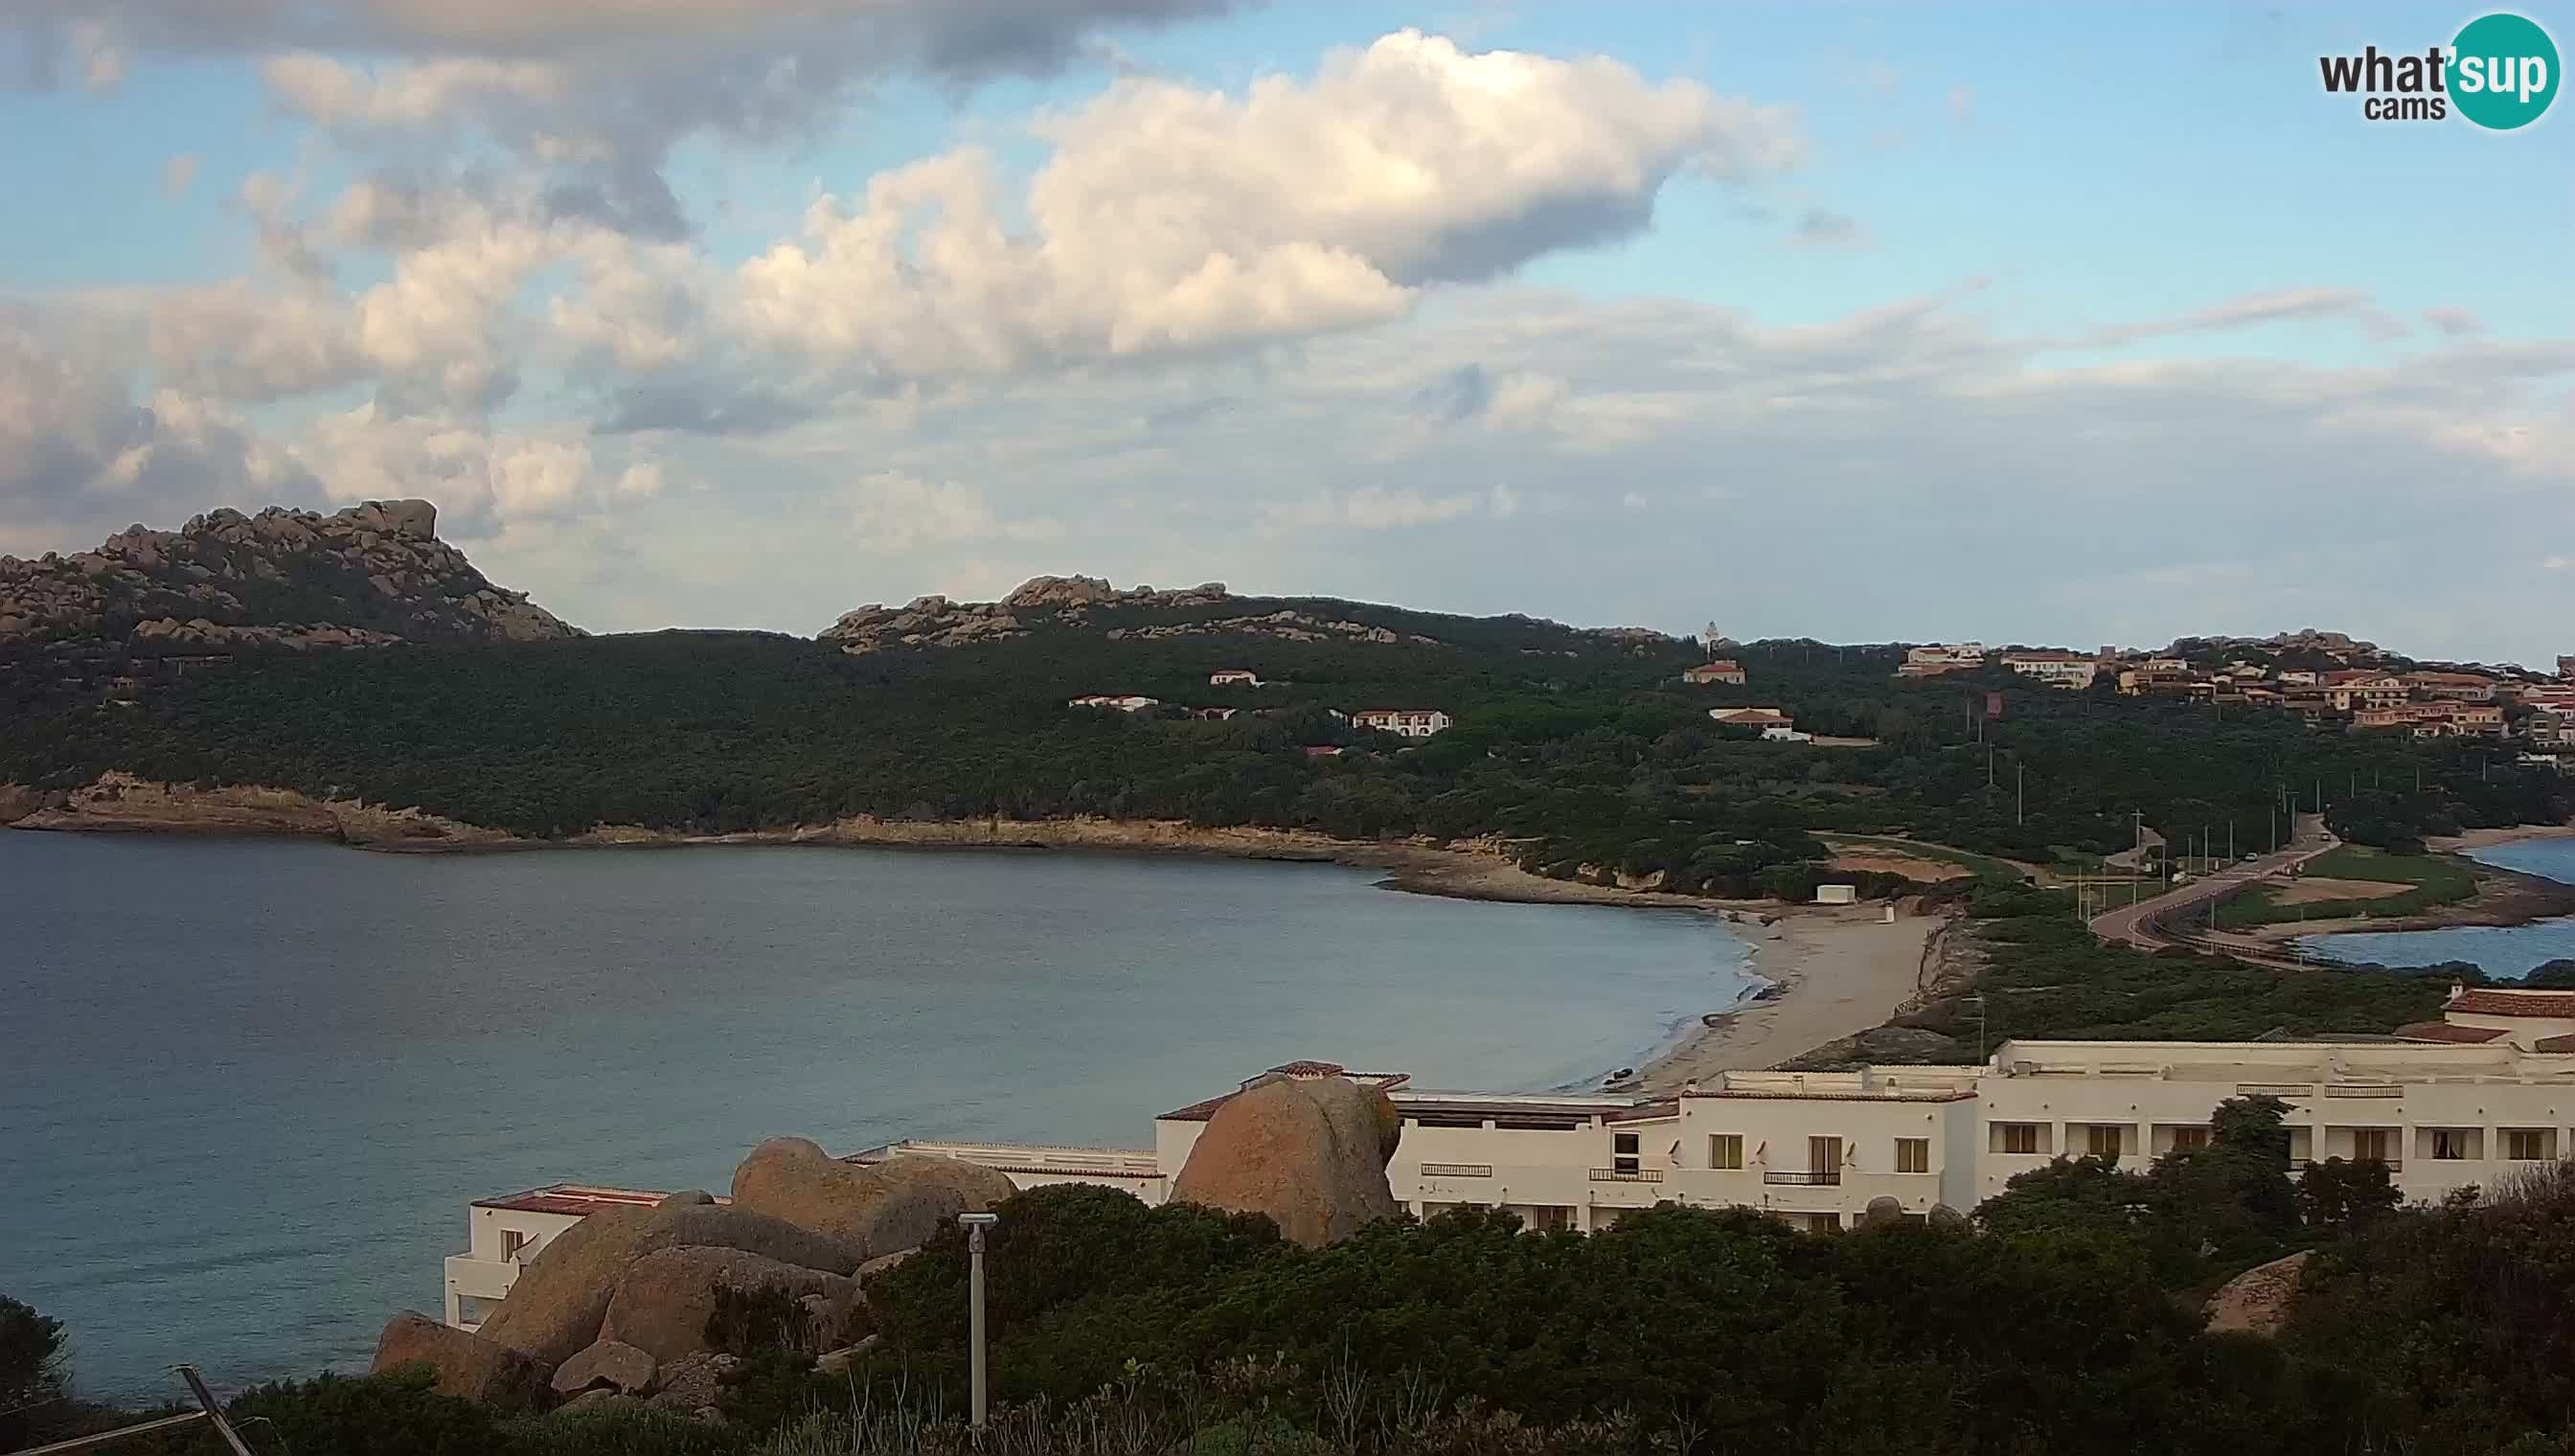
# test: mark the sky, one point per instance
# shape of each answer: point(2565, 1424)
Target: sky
point(2070, 325)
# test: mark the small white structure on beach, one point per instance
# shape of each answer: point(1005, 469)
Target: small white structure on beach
point(1836, 894)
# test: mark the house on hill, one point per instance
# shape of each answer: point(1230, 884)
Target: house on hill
point(2057, 669)
point(1123, 702)
point(1723, 669)
point(1773, 726)
point(1233, 678)
point(1410, 723)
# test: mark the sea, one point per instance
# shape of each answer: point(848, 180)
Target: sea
point(248, 1087)
point(2504, 951)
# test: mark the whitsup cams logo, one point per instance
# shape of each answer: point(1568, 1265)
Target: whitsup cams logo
point(2500, 72)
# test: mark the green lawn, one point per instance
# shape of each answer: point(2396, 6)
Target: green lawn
point(2437, 879)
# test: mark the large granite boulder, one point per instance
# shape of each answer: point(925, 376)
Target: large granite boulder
point(663, 1300)
point(609, 1363)
point(560, 1300)
point(2256, 1302)
point(1309, 1151)
point(467, 1365)
point(876, 1208)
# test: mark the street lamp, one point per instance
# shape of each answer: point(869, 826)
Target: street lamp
point(976, 1223)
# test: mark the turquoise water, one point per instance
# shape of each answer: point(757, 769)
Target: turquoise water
point(2507, 951)
point(247, 1086)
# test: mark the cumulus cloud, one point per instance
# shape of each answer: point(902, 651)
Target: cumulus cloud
point(595, 93)
point(485, 482)
point(78, 445)
point(1170, 218)
point(1820, 227)
point(2455, 321)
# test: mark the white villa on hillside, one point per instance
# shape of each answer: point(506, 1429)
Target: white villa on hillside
point(1410, 723)
point(2057, 669)
point(2473, 1099)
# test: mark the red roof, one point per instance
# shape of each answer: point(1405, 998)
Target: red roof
point(2444, 1031)
point(2486, 1001)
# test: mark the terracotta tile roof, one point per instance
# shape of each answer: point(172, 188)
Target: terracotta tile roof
point(2487, 1001)
point(2444, 1031)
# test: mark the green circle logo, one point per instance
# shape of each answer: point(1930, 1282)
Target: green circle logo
point(2503, 71)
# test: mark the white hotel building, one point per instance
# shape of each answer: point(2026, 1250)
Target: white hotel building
point(2473, 1099)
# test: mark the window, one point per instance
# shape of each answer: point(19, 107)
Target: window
point(2449, 1144)
point(2190, 1139)
point(2101, 1140)
point(2525, 1144)
point(1913, 1154)
point(2369, 1146)
point(2017, 1136)
point(1622, 1152)
point(1823, 1223)
point(1550, 1218)
point(512, 1241)
point(1726, 1151)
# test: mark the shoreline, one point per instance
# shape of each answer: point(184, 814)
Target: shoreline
point(1837, 970)
point(2505, 898)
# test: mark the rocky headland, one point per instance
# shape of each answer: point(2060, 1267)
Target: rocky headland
point(225, 583)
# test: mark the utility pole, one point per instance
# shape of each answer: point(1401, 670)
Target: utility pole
point(2020, 797)
point(980, 1383)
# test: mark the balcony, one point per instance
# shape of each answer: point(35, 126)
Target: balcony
point(2300, 1165)
point(1456, 1170)
point(1828, 1177)
point(1626, 1175)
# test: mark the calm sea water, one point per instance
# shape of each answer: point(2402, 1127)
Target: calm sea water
point(247, 1086)
point(2508, 952)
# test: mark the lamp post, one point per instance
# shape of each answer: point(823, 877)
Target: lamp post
point(976, 1223)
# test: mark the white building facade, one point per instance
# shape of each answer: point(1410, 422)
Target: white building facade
point(1410, 723)
point(2476, 1098)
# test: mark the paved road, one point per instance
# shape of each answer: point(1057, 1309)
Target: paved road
point(2133, 924)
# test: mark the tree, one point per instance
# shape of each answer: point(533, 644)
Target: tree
point(32, 1379)
point(2087, 1193)
point(2232, 1199)
point(2334, 1191)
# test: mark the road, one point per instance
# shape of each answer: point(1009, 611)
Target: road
point(2136, 924)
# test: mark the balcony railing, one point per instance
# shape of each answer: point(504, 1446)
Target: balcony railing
point(2300, 1165)
point(2365, 1089)
point(1456, 1170)
point(1827, 1177)
point(1626, 1175)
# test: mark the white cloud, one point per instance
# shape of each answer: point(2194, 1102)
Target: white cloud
point(1170, 218)
point(178, 173)
point(593, 93)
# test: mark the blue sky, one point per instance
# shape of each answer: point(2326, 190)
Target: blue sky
point(2063, 324)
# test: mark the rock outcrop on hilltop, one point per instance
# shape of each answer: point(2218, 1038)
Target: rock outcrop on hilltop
point(939, 622)
point(373, 574)
point(1310, 1151)
point(936, 622)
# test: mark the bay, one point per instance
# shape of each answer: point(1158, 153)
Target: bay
point(2507, 953)
point(247, 1086)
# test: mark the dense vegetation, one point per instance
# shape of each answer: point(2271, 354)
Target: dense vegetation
point(2064, 1318)
point(1584, 747)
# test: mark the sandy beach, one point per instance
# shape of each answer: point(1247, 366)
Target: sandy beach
point(1845, 971)
point(2487, 838)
